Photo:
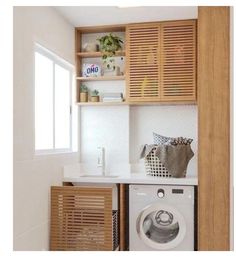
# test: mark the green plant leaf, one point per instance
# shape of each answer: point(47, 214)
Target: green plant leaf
point(109, 44)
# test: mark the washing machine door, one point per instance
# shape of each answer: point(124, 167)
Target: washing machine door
point(161, 226)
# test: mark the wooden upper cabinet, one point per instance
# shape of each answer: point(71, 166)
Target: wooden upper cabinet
point(178, 61)
point(161, 61)
point(143, 62)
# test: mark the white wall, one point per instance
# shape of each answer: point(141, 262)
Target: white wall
point(33, 176)
point(107, 127)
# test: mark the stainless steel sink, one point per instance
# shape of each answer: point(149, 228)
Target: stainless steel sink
point(98, 176)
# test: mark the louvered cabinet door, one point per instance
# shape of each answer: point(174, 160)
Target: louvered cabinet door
point(143, 62)
point(178, 61)
point(81, 218)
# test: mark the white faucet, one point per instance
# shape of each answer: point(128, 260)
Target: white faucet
point(101, 159)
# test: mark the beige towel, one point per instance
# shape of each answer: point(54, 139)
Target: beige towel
point(175, 158)
point(146, 150)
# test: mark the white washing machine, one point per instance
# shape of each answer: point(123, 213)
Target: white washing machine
point(161, 217)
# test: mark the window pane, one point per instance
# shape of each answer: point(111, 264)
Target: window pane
point(43, 102)
point(62, 107)
point(74, 119)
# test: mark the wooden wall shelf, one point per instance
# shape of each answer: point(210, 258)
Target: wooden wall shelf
point(101, 78)
point(135, 103)
point(101, 29)
point(97, 54)
point(101, 103)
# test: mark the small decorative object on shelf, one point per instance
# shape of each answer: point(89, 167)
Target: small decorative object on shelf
point(109, 45)
point(94, 96)
point(83, 93)
point(91, 70)
point(110, 68)
point(112, 97)
point(90, 47)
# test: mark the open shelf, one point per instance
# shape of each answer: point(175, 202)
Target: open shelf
point(97, 54)
point(101, 78)
point(101, 29)
point(136, 103)
point(101, 103)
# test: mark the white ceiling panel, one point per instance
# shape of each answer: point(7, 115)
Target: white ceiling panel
point(80, 16)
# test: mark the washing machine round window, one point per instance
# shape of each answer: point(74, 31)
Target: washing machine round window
point(161, 226)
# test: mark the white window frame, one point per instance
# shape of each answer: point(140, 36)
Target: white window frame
point(63, 63)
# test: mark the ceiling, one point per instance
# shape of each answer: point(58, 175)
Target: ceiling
point(80, 16)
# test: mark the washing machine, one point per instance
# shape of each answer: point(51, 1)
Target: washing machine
point(161, 217)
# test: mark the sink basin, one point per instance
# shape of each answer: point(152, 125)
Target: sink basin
point(98, 176)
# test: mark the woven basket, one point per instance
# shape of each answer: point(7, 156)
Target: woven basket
point(115, 229)
point(155, 168)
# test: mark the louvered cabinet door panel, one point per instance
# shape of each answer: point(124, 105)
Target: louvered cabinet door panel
point(178, 59)
point(143, 62)
point(81, 218)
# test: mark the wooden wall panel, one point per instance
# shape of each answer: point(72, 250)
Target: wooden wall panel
point(178, 60)
point(214, 128)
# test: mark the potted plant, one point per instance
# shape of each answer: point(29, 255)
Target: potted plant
point(83, 93)
point(109, 45)
point(94, 96)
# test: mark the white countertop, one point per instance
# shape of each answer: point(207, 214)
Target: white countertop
point(123, 174)
point(133, 178)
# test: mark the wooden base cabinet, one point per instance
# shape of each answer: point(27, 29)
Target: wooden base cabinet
point(82, 219)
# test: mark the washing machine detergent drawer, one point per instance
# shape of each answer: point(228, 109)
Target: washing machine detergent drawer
point(161, 217)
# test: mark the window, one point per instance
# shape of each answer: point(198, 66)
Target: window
point(55, 118)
